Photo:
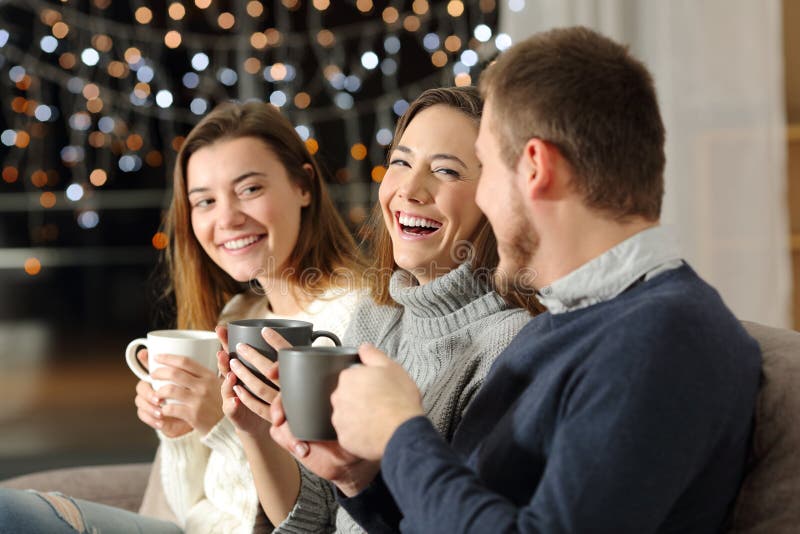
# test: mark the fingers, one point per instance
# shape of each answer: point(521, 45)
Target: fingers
point(253, 357)
point(283, 436)
point(222, 334)
point(147, 408)
point(276, 411)
point(255, 385)
point(273, 373)
point(274, 339)
point(142, 357)
point(371, 356)
point(176, 393)
point(182, 362)
point(198, 381)
point(223, 363)
point(255, 405)
point(227, 386)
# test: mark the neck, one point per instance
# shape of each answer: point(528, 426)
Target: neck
point(284, 297)
point(577, 239)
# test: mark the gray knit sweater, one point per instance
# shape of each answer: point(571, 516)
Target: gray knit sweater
point(446, 334)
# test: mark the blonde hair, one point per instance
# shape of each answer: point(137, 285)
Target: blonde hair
point(483, 253)
point(324, 245)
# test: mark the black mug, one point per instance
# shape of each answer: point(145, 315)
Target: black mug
point(298, 333)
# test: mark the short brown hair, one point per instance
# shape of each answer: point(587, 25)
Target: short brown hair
point(586, 95)
point(202, 288)
point(483, 251)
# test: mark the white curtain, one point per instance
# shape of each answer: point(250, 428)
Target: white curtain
point(718, 68)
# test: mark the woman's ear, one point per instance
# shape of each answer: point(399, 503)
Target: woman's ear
point(306, 192)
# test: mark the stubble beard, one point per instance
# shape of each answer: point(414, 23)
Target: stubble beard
point(514, 271)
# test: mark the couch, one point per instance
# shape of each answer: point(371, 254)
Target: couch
point(768, 502)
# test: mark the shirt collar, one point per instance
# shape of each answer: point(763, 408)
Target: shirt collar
point(645, 254)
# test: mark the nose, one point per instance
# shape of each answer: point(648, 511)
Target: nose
point(229, 214)
point(414, 187)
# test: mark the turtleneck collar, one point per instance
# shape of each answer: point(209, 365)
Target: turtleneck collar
point(446, 304)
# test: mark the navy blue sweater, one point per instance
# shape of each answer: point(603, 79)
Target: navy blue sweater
point(632, 415)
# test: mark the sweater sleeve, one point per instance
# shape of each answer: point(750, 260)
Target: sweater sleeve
point(631, 435)
point(222, 439)
point(183, 465)
point(315, 509)
point(373, 509)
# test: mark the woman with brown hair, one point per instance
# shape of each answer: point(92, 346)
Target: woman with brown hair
point(433, 306)
point(252, 233)
point(249, 207)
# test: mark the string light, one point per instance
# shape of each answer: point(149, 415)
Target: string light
point(358, 151)
point(160, 241)
point(117, 69)
point(176, 11)
point(254, 8)
point(32, 266)
point(143, 15)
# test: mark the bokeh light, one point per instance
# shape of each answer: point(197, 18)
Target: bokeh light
point(160, 240)
point(358, 151)
point(98, 177)
point(32, 266)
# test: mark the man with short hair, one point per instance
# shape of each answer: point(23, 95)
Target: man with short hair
point(627, 406)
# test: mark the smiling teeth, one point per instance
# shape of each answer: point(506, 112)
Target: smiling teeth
point(405, 220)
point(240, 243)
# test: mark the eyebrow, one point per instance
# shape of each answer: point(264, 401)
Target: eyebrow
point(450, 157)
point(233, 182)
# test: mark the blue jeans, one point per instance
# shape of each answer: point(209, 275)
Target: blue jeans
point(32, 512)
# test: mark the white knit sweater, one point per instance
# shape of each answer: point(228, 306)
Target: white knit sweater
point(206, 479)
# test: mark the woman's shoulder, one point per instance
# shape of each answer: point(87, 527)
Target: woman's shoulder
point(244, 305)
point(503, 325)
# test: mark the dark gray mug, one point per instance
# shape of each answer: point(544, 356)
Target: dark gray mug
point(298, 333)
point(308, 377)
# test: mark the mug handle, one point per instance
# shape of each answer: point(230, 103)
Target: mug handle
point(324, 333)
point(133, 361)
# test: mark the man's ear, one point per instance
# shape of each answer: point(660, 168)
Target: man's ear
point(535, 167)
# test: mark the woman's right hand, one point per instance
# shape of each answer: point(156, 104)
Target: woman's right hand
point(326, 459)
point(249, 413)
point(148, 408)
point(243, 418)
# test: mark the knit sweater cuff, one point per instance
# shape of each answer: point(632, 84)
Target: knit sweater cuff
point(315, 509)
point(222, 439)
point(373, 509)
point(183, 464)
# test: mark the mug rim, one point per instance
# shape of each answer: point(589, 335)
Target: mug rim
point(265, 323)
point(188, 334)
point(313, 350)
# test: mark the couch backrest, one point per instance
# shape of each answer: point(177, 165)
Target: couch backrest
point(769, 500)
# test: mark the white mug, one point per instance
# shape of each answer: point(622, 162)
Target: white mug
point(199, 345)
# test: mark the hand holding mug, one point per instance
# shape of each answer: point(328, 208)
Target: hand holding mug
point(148, 407)
point(181, 375)
point(326, 459)
point(371, 401)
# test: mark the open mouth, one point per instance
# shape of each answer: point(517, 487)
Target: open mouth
point(242, 243)
point(412, 225)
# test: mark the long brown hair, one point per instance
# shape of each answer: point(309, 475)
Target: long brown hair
point(324, 245)
point(482, 254)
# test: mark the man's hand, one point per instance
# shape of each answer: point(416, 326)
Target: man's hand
point(371, 401)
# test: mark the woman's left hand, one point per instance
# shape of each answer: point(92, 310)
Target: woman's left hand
point(195, 388)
